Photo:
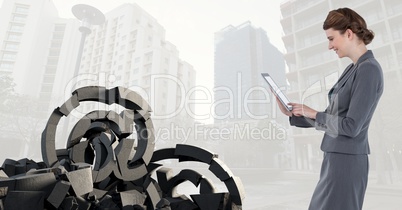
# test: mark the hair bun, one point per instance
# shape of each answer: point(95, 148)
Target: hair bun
point(367, 36)
point(344, 18)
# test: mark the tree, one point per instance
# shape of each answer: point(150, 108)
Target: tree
point(20, 123)
point(7, 94)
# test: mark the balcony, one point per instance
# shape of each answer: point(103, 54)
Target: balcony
point(393, 7)
point(302, 5)
point(349, 3)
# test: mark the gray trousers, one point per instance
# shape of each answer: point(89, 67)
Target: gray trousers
point(342, 184)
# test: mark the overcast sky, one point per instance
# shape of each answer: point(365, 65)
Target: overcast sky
point(190, 25)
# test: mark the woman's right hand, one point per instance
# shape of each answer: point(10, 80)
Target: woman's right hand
point(283, 109)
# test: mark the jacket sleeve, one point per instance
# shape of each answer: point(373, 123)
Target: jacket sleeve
point(301, 122)
point(364, 93)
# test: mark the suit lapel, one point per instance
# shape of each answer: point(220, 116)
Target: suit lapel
point(345, 78)
point(341, 81)
point(350, 70)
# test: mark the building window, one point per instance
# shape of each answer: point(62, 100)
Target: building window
point(134, 34)
point(394, 8)
point(147, 68)
point(146, 81)
point(52, 61)
point(55, 44)
point(397, 32)
point(19, 18)
point(21, 9)
point(58, 36)
point(48, 79)
point(11, 46)
point(59, 27)
point(51, 69)
point(132, 45)
point(46, 88)
point(9, 56)
point(6, 66)
point(148, 57)
point(14, 37)
point(16, 28)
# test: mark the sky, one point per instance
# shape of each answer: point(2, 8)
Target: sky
point(190, 25)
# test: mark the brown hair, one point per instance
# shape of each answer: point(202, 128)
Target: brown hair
point(344, 18)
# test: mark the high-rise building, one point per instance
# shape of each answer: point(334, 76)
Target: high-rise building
point(39, 51)
point(313, 69)
point(243, 103)
point(242, 53)
point(36, 46)
point(130, 50)
point(24, 30)
point(36, 49)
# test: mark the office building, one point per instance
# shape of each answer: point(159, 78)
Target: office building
point(244, 107)
point(130, 50)
point(36, 50)
point(39, 51)
point(242, 53)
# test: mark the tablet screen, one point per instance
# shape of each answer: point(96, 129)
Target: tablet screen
point(275, 89)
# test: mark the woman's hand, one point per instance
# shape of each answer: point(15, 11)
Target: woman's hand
point(303, 110)
point(283, 109)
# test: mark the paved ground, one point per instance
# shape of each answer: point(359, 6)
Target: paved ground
point(287, 190)
point(270, 190)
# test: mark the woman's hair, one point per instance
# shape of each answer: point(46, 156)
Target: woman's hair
point(344, 18)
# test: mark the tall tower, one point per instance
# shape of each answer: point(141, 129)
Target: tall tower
point(25, 31)
point(130, 50)
point(39, 51)
point(242, 53)
point(34, 52)
point(36, 47)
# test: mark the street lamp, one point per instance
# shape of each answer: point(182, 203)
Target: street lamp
point(89, 16)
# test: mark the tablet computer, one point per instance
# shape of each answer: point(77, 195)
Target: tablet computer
point(275, 90)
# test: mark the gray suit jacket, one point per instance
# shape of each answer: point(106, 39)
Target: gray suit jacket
point(352, 102)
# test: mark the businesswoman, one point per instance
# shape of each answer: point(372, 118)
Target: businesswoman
point(352, 101)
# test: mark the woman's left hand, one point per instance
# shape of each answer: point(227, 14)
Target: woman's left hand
point(303, 110)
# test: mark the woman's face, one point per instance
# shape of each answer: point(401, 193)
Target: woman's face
point(337, 42)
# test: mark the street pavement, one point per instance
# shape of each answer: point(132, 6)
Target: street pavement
point(290, 190)
point(268, 189)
